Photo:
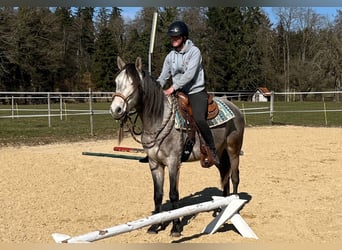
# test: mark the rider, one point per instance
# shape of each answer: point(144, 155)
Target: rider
point(184, 65)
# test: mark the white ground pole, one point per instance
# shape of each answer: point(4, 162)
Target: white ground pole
point(230, 210)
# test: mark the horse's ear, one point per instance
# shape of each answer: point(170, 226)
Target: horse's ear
point(121, 63)
point(138, 64)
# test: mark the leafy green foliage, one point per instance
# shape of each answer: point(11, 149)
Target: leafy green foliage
point(73, 49)
point(106, 52)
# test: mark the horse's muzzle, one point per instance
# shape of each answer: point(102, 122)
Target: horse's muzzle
point(117, 112)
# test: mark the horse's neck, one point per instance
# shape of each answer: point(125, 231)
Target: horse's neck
point(151, 126)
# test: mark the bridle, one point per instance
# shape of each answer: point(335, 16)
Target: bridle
point(131, 123)
point(127, 116)
point(125, 99)
point(165, 128)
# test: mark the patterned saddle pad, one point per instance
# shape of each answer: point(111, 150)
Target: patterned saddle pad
point(224, 115)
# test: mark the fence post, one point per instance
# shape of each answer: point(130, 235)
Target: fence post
point(61, 107)
point(91, 112)
point(12, 107)
point(244, 113)
point(49, 110)
point(325, 114)
point(271, 107)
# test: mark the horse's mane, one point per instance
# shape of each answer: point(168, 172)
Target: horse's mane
point(133, 73)
point(153, 98)
point(152, 93)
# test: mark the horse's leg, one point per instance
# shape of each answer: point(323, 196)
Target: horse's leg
point(229, 169)
point(235, 172)
point(174, 198)
point(158, 183)
point(225, 169)
point(234, 149)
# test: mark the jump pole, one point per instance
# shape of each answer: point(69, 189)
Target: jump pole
point(130, 157)
point(230, 206)
point(128, 149)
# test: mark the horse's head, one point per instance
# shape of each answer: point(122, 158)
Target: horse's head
point(128, 87)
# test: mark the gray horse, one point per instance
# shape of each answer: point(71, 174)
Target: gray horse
point(137, 92)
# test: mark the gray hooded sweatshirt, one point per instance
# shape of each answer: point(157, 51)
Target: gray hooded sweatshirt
point(185, 68)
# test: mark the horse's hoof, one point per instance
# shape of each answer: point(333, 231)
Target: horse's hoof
point(152, 232)
point(176, 229)
point(176, 234)
point(153, 229)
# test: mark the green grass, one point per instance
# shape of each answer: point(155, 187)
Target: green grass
point(70, 128)
point(295, 113)
point(36, 130)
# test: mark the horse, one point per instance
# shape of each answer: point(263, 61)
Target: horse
point(139, 93)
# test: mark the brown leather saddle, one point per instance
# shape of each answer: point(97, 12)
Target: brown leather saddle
point(185, 109)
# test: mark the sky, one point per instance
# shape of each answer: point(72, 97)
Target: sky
point(330, 12)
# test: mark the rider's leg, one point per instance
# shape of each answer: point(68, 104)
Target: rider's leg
point(199, 104)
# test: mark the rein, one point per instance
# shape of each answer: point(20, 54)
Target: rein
point(165, 127)
point(158, 136)
point(126, 116)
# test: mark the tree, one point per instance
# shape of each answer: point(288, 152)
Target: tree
point(116, 25)
point(36, 51)
point(268, 50)
point(69, 46)
point(106, 52)
point(329, 56)
point(250, 73)
point(286, 17)
point(67, 49)
point(224, 27)
point(138, 36)
point(235, 60)
point(86, 44)
point(7, 66)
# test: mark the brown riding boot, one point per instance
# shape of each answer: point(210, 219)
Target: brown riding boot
point(209, 157)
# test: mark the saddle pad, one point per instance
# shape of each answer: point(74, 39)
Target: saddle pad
point(224, 115)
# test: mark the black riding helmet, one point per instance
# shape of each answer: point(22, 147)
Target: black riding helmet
point(178, 28)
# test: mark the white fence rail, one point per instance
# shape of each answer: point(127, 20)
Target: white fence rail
point(13, 98)
point(11, 103)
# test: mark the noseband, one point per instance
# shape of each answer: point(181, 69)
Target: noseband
point(127, 116)
point(125, 99)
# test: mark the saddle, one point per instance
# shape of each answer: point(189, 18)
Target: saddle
point(185, 109)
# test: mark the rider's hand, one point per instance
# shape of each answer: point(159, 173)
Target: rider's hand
point(169, 91)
